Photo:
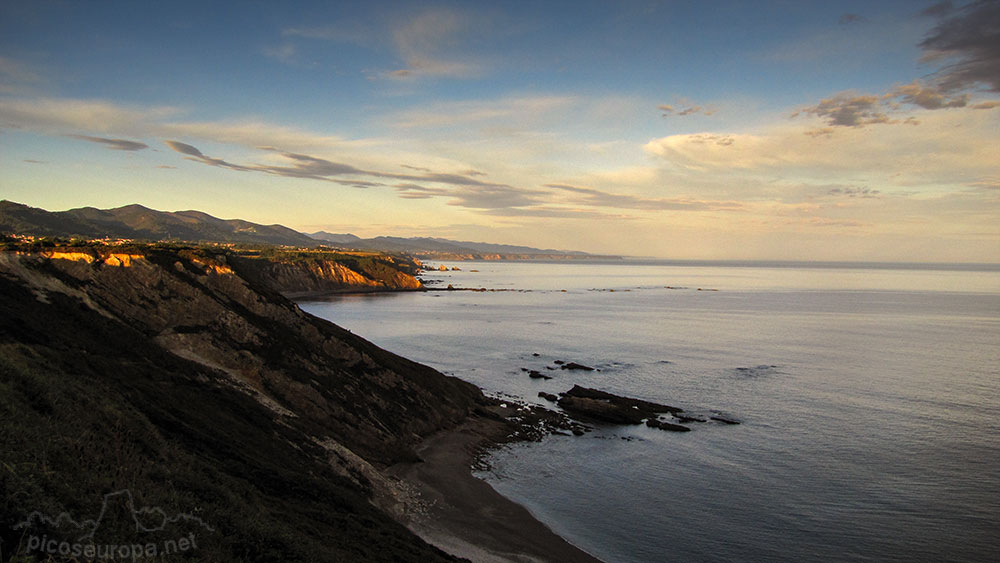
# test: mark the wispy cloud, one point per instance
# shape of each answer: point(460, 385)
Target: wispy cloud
point(115, 144)
point(597, 198)
point(927, 97)
point(284, 53)
point(668, 110)
point(847, 109)
point(968, 40)
point(346, 32)
point(427, 45)
point(947, 147)
point(65, 115)
point(938, 10)
point(466, 190)
point(512, 111)
point(196, 155)
point(854, 191)
point(965, 41)
point(15, 76)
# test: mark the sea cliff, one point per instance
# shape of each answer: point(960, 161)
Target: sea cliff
point(168, 373)
point(297, 273)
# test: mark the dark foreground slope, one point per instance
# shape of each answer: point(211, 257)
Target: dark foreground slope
point(167, 375)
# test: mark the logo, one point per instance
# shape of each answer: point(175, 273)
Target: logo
point(119, 532)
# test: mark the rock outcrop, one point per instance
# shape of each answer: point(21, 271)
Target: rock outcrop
point(318, 272)
point(592, 404)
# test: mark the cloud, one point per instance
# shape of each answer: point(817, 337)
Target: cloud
point(61, 115)
point(14, 76)
point(464, 190)
point(510, 111)
point(938, 10)
point(552, 212)
point(965, 41)
point(847, 109)
point(488, 196)
point(597, 198)
point(115, 144)
point(928, 97)
point(669, 110)
point(986, 105)
point(422, 39)
point(947, 148)
point(354, 32)
point(970, 39)
point(196, 155)
point(854, 191)
point(57, 115)
point(284, 53)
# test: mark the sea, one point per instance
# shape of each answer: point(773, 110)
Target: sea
point(868, 397)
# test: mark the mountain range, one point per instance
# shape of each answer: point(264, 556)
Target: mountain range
point(142, 223)
point(433, 245)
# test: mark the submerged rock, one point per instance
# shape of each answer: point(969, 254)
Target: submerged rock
point(690, 418)
point(656, 423)
point(724, 419)
point(574, 365)
point(548, 396)
point(534, 374)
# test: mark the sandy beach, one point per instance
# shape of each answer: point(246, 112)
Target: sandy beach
point(464, 515)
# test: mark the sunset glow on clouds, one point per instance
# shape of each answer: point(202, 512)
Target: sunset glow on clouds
point(826, 131)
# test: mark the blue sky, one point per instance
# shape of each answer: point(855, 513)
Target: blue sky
point(795, 130)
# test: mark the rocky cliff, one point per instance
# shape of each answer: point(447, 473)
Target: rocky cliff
point(178, 375)
point(297, 273)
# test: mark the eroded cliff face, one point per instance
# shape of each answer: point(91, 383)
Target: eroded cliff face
point(199, 307)
point(212, 370)
point(315, 275)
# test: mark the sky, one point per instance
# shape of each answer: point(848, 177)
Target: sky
point(792, 130)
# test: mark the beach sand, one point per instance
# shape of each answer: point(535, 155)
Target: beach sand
point(466, 517)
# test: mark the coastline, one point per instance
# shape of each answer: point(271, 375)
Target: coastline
point(465, 516)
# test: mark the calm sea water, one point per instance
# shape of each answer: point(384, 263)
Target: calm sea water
point(869, 396)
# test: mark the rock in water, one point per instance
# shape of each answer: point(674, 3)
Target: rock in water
point(602, 411)
point(724, 419)
point(645, 406)
point(655, 423)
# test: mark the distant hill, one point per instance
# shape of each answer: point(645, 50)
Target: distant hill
point(334, 237)
point(432, 246)
point(141, 223)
